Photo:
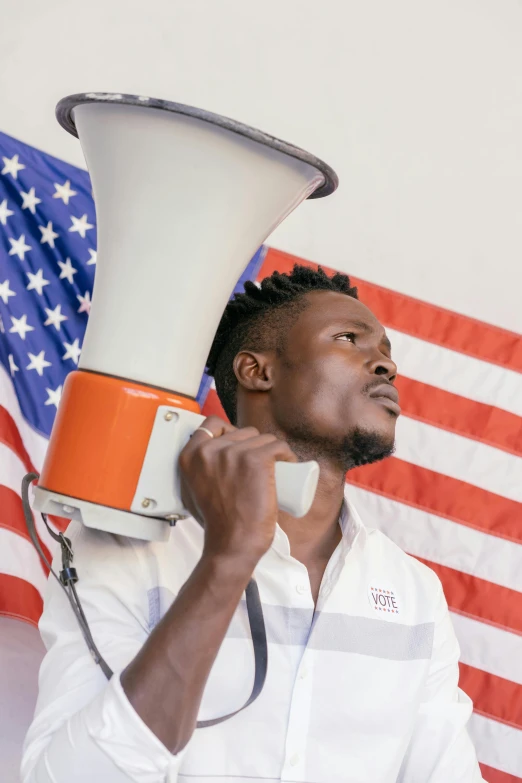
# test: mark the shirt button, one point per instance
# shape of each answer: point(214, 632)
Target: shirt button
point(301, 589)
point(303, 673)
point(294, 761)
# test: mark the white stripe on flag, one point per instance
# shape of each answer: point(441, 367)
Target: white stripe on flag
point(498, 745)
point(18, 557)
point(441, 540)
point(456, 372)
point(460, 458)
point(491, 649)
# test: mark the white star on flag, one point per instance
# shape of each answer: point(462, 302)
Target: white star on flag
point(68, 271)
point(55, 317)
point(93, 257)
point(36, 282)
point(30, 200)
point(12, 366)
point(54, 396)
point(38, 362)
point(18, 247)
point(12, 166)
point(64, 191)
point(80, 225)
point(48, 235)
point(2, 327)
point(72, 351)
point(5, 212)
point(5, 291)
point(85, 303)
point(20, 326)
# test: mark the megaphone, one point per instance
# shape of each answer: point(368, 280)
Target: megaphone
point(184, 198)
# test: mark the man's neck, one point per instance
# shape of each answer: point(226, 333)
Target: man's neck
point(315, 536)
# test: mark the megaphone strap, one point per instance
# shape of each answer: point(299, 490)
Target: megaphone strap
point(68, 577)
point(258, 633)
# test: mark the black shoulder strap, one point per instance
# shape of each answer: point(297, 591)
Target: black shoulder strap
point(258, 632)
point(68, 577)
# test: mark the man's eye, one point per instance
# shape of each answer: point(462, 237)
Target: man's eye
point(349, 336)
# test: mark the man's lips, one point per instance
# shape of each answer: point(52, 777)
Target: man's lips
point(387, 395)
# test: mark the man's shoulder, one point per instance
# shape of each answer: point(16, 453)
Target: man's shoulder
point(151, 563)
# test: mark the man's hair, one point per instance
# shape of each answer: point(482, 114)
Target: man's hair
point(258, 319)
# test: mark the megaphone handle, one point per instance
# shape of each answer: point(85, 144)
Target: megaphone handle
point(296, 483)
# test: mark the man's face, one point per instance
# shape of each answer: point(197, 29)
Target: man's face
point(332, 391)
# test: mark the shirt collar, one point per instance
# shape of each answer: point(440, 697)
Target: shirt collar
point(353, 531)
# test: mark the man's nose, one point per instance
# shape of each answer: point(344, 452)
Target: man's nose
point(382, 365)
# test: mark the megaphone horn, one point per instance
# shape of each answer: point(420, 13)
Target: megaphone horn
point(184, 198)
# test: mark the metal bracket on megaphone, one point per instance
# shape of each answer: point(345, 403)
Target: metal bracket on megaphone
point(158, 491)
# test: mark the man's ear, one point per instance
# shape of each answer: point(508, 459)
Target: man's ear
point(253, 371)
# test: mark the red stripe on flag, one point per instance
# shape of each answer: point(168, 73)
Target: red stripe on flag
point(441, 495)
point(12, 517)
point(20, 599)
point(451, 412)
point(212, 406)
point(420, 319)
point(479, 599)
point(496, 776)
point(492, 696)
point(10, 435)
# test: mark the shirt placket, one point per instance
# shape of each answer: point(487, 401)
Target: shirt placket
point(294, 763)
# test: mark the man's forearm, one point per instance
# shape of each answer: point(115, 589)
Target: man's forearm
point(165, 681)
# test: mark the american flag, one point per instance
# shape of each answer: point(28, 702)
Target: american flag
point(450, 496)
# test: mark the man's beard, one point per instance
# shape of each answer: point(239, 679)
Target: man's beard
point(359, 447)
point(362, 447)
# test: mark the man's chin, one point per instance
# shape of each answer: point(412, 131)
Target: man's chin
point(362, 447)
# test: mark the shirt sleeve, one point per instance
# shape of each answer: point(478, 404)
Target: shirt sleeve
point(84, 728)
point(440, 749)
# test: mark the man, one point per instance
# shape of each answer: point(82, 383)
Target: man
point(362, 663)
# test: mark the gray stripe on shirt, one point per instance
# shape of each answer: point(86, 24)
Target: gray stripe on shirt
point(336, 632)
point(328, 631)
point(369, 636)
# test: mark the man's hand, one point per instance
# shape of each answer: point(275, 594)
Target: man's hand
point(228, 485)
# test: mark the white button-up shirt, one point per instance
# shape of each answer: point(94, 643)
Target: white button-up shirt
point(361, 689)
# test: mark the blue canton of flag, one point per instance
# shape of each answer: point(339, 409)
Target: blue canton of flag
point(47, 263)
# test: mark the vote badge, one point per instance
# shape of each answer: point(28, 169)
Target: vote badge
point(383, 600)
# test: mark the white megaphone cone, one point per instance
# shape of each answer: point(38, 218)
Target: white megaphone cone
point(184, 198)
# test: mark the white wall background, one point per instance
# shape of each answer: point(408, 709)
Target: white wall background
point(21, 653)
point(417, 104)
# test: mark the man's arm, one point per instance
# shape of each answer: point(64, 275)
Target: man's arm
point(228, 483)
point(440, 750)
point(165, 681)
point(129, 729)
